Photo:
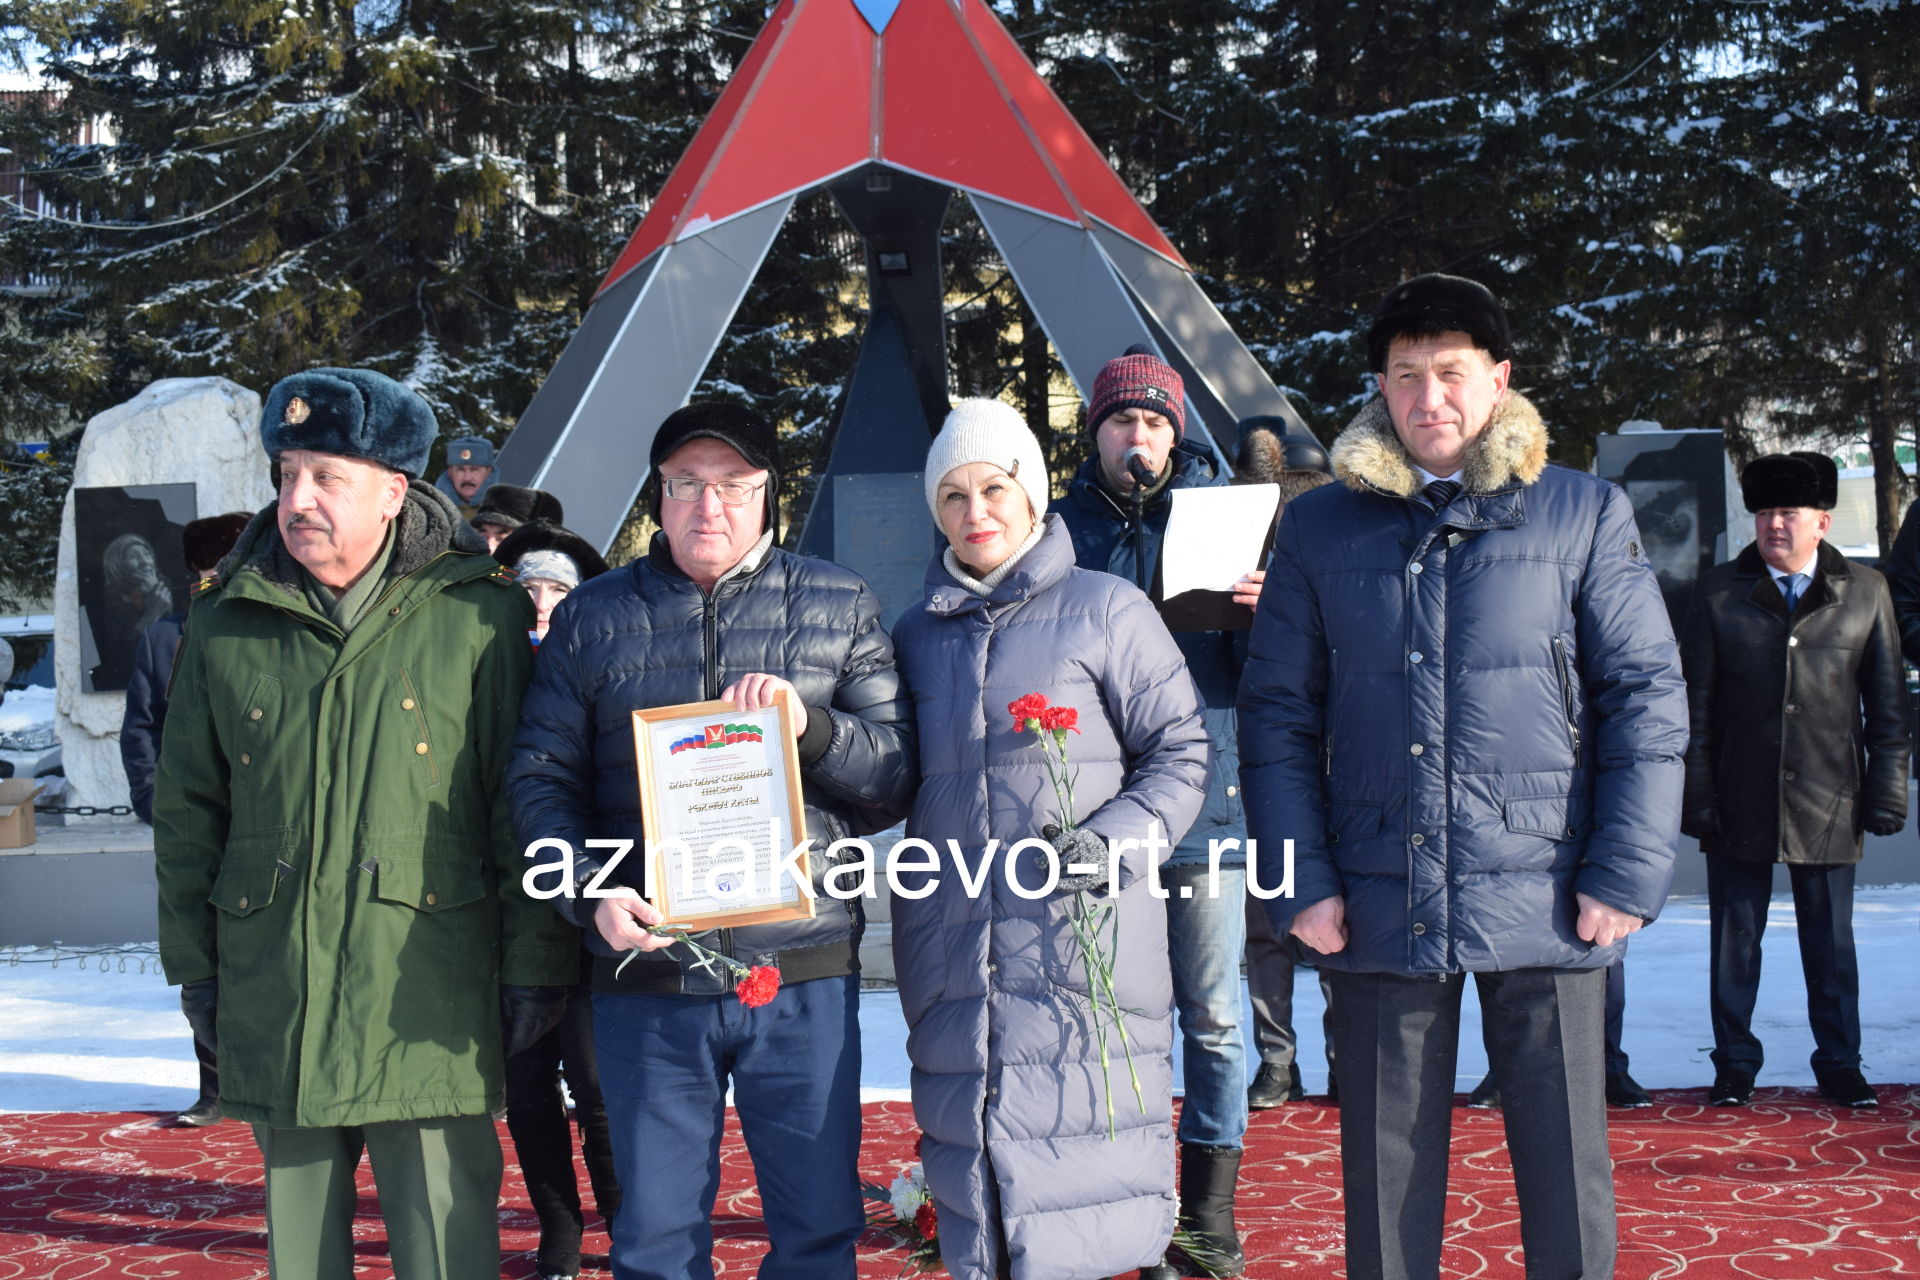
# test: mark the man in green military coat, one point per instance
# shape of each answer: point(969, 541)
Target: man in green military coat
point(332, 844)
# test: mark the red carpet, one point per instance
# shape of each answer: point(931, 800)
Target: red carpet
point(1788, 1189)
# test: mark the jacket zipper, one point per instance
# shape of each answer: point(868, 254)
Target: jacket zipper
point(710, 665)
point(1326, 738)
point(1566, 697)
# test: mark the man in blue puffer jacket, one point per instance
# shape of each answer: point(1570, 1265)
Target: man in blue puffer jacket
point(715, 610)
point(1463, 707)
point(1118, 521)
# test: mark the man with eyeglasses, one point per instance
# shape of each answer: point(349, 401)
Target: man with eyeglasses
point(716, 610)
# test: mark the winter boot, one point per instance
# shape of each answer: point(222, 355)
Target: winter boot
point(1207, 1233)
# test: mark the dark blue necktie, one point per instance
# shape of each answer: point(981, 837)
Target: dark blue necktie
point(1442, 492)
point(1792, 586)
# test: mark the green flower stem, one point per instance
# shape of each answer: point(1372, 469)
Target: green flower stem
point(705, 959)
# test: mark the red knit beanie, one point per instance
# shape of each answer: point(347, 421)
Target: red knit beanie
point(1139, 380)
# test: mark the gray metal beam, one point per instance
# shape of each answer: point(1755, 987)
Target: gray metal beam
point(586, 434)
point(1188, 317)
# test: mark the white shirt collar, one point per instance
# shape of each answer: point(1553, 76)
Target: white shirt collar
point(1806, 568)
point(1427, 477)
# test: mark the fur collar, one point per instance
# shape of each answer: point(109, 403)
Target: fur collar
point(1513, 448)
point(428, 524)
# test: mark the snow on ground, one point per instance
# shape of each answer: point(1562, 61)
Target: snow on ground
point(79, 1039)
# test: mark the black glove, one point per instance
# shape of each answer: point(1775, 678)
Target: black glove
point(1882, 823)
point(1701, 824)
point(1082, 846)
point(200, 1000)
point(527, 1013)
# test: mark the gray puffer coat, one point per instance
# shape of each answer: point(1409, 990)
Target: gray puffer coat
point(1463, 717)
point(1007, 1081)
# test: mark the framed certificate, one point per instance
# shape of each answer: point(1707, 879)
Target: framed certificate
point(721, 807)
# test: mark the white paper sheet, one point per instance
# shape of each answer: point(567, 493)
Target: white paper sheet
point(1214, 536)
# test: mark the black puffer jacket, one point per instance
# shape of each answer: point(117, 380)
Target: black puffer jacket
point(647, 636)
point(1780, 755)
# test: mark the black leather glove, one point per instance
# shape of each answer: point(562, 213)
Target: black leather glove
point(1701, 824)
point(1882, 823)
point(1082, 846)
point(200, 1001)
point(527, 1013)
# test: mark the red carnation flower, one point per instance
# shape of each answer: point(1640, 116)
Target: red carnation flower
point(759, 986)
point(1031, 706)
point(1060, 719)
point(926, 1221)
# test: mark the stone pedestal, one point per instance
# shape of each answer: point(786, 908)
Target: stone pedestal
point(203, 431)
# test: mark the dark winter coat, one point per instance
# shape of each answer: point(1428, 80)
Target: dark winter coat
point(1781, 760)
point(646, 635)
point(331, 838)
point(1007, 1081)
point(146, 714)
point(1462, 717)
point(1902, 569)
point(1106, 539)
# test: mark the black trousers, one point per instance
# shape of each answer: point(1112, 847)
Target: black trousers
point(1737, 898)
point(1271, 964)
point(1616, 1015)
point(1398, 1039)
point(543, 1139)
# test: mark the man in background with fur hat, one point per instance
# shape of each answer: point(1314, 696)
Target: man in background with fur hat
point(469, 473)
point(1788, 644)
point(1462, 706)
point(332, 847)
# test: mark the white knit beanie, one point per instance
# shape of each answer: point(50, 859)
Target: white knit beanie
point(988, 431)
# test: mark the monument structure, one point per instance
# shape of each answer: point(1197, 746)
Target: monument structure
point(892, 106)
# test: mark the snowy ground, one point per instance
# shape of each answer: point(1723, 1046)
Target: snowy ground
point(79, 1039)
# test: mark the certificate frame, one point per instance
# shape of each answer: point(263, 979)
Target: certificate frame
point(661, 814)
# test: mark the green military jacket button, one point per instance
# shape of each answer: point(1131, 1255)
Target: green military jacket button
point(255, 714)
point(246, 757)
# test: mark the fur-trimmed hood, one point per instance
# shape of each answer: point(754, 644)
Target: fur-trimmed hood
point(1513, 449)
point(428, 524)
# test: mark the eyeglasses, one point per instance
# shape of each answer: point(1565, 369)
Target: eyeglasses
point(735, 493)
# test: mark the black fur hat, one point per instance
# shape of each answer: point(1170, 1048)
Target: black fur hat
point(1828, 471)
point(1434, 304)
point(1777, 480)
point(1265, 445)
point(355, 413)
point(204, 543)
point(544, 535)
point(512, 505)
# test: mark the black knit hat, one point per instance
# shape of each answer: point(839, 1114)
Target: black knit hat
point(1829, 472)
point(1777, 480)
point(510, 506)
point(741, 429)
point(543, 535)
point(1429, 305)
point(355, 413)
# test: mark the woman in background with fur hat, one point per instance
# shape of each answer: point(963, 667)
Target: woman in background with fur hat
point(550, 562)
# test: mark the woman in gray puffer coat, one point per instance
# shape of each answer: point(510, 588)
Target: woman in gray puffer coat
point(1007, 1080)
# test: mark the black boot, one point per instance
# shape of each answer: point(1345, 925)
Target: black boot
point(1207, 1233)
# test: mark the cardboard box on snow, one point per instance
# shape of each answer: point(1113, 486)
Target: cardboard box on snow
point(16, 812)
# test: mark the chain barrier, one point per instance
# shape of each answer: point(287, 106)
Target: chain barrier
point(111, 959)
point(86, 810)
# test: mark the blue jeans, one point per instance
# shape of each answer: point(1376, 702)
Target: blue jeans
point(665, 1061)
point(1206, 935)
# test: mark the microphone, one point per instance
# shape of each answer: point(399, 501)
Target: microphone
point(1139, 468)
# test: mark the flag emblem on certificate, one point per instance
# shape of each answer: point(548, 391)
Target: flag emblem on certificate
point(717, 735)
